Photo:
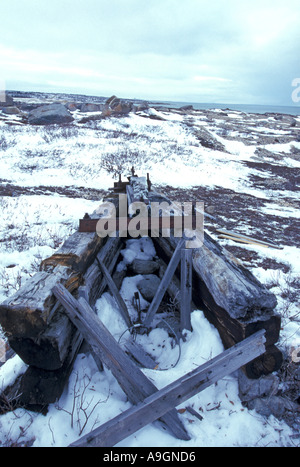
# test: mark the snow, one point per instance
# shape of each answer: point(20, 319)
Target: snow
point(32, 227)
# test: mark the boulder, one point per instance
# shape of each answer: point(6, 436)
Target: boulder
point(72, 106)
point(87, 107)
point(144, 266)
point(12, 110)
point(148, 286)
point(115, 106)
point(50, 114)
point(250, 389)
point(276, 405)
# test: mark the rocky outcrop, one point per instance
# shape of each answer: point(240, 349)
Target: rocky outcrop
point(50, 114)
point(115, 106)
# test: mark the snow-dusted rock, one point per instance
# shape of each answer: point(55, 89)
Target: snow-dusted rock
point(50, 114)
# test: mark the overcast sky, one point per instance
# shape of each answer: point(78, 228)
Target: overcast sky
point(220, 51)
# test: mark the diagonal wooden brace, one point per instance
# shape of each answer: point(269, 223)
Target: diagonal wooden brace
point(134, 383)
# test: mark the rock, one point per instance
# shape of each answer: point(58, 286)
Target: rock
point(207, 140)
point(148, 286)
point(275, 405)
point(186, 107)
point(250, 389)
point(50, 114)
point(115, 106)
point(88, 107)
point(12, 110)
point(143, 266)
point(72, 106)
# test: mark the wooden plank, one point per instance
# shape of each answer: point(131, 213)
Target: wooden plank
point(186, 289)
point(174, 288)
point(94, 280)
point(164, 283)
point(231, 234)
point(174, 394)
point(131, 379)
point(138, 353)
point(116, 294)
point(243, 240)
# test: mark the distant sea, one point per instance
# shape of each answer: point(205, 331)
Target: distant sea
point(247, 108)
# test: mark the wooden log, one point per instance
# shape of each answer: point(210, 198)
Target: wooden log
point(78, 252)
point(171, 396)
point(134, 383)
point(26, 313)
point(37, 330)
point(233, 300)
point(37, 388)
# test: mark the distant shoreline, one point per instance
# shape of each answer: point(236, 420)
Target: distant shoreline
point(246, 108)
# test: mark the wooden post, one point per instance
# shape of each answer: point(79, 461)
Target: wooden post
point(116, 294)
point(174, 394)
point(164, 283)
point(131, 379)
point(186, 289)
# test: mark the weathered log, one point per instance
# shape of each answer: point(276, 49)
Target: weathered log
point(26, 313)
point(78, 251)
point(93, 279)
point(49, 349)
point(37, 388)
point(154, 406)
point(132, 380)
point(233, 300)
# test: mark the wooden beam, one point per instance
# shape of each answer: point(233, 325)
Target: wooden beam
point(164, 283)
point(131, 379)
point(138, 353)
point(186, 289)
point(115, 292)
point(245, 239)
point(171, 396)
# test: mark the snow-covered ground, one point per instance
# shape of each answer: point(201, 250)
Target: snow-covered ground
point(251, 158)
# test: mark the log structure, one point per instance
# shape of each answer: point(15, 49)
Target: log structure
point(40, 331)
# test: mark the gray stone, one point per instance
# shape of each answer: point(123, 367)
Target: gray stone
point(115, 106)
point(50, 114)
point(148, 286)
point(143, 266)
point(89, 107)
point(250, 389)
point(275, 405)
point(12, 110)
